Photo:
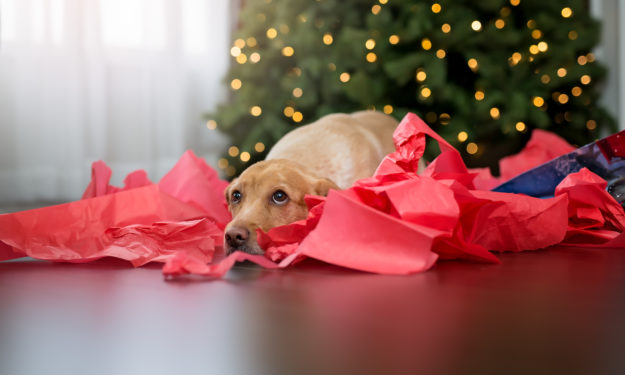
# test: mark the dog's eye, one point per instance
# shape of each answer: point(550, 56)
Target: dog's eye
point(279, 197)
point(236, 196)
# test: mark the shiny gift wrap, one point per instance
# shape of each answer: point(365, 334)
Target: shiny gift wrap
point(605, 157)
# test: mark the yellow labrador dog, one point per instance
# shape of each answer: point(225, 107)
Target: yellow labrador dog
point(331, 153)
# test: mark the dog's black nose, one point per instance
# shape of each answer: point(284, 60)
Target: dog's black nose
point(237, 237)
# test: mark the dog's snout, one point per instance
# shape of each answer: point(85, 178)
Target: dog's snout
point(237, 237)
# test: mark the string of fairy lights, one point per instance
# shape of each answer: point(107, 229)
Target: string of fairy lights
point(244, 51)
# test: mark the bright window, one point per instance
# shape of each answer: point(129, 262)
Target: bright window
point(8, 18)
point(133, 23)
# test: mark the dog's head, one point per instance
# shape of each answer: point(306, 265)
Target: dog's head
point(266, 195)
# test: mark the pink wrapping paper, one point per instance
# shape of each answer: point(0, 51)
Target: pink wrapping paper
point(140, 222)
point(594, 218)
point(542, 147)
point(396, 222)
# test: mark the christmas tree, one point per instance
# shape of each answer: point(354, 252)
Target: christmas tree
point(483, 73)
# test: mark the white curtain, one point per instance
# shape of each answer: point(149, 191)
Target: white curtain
point(611, 52)
point(125, 81)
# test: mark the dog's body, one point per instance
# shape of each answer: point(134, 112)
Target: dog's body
point(341, 147)
point(331, 153)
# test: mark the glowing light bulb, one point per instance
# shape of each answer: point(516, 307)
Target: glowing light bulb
point(472, 64)
point(472, 148)
point(240, 43)
point(288, 51)
point(233, 151)
point(566, 12)
point(256, 111)
point(444, 118)
point(576, 91)
point(463, 136)
point(288, 111)
point(255, 57)
point(211, 124)
point(235, 51)
point(520, 126)
point(476, 25)
point(393, 39)
point(272, 33)
point(370, 44)
point(298, 117)
point(251, 41)
point(245, 156)
point(259, 147)
point(236, 84)
point(538, 101)
point(344, 77)
point(327, 39)
point(494, 113)
point(426, 44)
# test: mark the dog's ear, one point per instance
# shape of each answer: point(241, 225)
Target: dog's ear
point(227, 191)
point(322, 185)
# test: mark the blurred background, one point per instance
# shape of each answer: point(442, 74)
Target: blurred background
point(137, 82)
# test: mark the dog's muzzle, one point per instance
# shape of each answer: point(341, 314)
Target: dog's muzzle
point(238, 238)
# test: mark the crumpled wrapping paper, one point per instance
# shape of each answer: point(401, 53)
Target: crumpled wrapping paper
point(141, 222)
point(543, 146)
point(396, 222)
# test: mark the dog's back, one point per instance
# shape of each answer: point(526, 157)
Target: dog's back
point(341, 147)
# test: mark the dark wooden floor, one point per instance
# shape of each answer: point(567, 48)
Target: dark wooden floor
point(558, 311)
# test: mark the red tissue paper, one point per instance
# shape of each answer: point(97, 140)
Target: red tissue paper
point(542, 147)
point(396, 222)
point(140, 222)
